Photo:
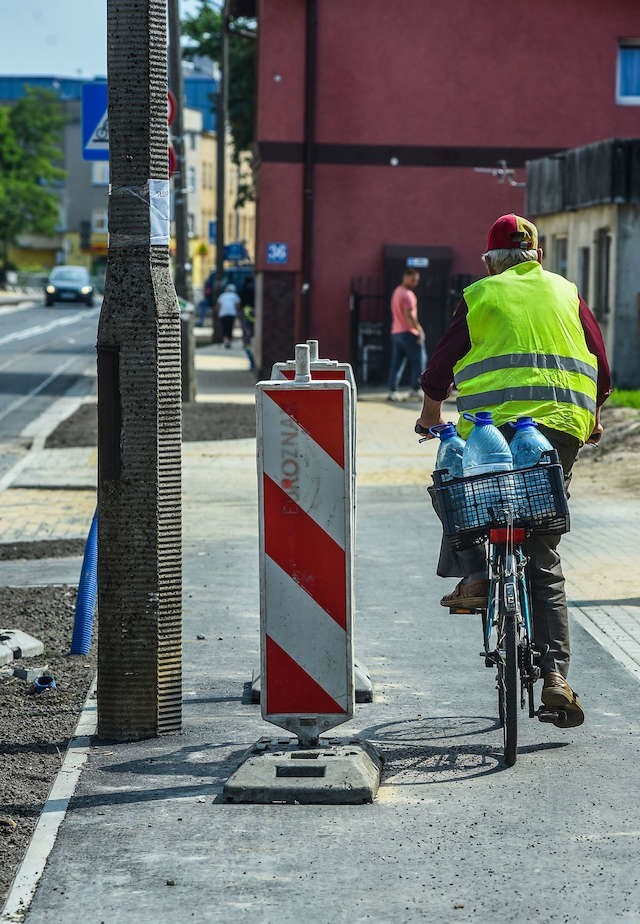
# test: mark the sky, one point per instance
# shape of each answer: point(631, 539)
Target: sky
point(65, 38)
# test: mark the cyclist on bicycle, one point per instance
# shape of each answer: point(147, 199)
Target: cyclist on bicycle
point(522, 342)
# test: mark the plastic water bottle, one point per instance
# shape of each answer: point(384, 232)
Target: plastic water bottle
point(528, 443)
point(449, 457)
point(485, 451)
point(527, 447)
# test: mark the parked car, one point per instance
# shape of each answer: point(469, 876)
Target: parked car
point(69, 283)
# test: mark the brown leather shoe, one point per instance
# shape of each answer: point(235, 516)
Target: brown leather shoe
point(472, 595)
point(558, 696)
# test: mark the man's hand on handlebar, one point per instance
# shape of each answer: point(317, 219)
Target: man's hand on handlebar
point(598, 430)
point(430, 416)
point(596, 436)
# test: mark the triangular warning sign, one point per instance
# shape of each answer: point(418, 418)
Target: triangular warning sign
point(99, 139)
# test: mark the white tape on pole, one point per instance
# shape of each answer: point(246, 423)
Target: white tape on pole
point(306, 554)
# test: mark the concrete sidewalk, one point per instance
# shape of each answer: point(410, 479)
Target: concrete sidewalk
point(452, 836)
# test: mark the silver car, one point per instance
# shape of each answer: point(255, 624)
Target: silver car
point(69, 283)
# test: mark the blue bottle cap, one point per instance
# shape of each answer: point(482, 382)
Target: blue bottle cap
point(481, 419)
point(523, 422)
point(447, 432)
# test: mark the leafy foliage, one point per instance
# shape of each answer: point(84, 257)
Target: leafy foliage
point(622, 398)
point(30, 135)
point(205, 31)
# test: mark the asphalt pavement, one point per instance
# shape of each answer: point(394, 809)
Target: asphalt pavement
point(453, 835)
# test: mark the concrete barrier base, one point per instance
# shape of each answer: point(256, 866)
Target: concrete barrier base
point(337, 772)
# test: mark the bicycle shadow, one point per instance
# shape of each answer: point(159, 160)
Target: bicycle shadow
point(441, 749)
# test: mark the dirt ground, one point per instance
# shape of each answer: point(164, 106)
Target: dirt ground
point(35, 727)
point(613, 466)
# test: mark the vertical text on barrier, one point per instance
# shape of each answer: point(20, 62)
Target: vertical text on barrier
point(306, 554)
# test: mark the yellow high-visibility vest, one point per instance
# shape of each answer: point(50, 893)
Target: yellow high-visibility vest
point(529, 355)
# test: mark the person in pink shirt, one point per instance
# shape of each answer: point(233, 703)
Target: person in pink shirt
point(406, 336)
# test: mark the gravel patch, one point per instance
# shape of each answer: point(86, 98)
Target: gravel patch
point(43, 548)
point(35, 728)
point(200, 422)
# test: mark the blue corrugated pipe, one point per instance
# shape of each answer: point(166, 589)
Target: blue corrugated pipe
point(87, 590)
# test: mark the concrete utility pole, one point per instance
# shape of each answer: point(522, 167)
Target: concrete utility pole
point(221, 125)
point(180, 188)
point(139, 438)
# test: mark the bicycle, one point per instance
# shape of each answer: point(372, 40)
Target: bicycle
point(502, 510)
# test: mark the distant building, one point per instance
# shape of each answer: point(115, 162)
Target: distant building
point(83, 226)
point(200, 88)
point(373, 120)
point(586, 203)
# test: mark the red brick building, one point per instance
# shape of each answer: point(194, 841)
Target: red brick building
point(372, 119)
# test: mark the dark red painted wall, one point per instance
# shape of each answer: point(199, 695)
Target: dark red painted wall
point(415, 73)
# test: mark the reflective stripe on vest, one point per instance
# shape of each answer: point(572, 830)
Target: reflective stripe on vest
point(537, 393)
point(525, 360)
point(528, 353)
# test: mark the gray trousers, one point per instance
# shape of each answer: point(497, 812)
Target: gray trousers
point(546, 580)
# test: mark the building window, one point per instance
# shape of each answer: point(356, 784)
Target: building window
point(99, 221)
point(628, 76)
point(602, 262)
point(560, 249)
point(100, 172)
point(191, 179)
point(191, 224)
point(584, 268)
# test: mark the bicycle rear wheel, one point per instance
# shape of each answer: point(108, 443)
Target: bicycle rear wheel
point(511, 704)
point(507, 679)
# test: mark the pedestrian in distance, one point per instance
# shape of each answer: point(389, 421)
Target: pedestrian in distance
point(407, 337)
point(227, 306)
point(522, 342)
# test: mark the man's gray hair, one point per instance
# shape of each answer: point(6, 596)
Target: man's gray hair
point(502, 259)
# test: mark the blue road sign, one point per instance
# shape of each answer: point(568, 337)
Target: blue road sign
point(95, 122)
point(235, 251)
point(277, 252)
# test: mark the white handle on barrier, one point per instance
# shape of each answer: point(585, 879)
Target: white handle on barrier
point(303, 364)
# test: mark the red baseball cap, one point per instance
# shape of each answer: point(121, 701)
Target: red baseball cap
point(511, 232)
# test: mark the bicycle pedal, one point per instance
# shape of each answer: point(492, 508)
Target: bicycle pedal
point(547, 715)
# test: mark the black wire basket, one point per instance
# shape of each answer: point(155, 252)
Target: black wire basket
point(533, 498)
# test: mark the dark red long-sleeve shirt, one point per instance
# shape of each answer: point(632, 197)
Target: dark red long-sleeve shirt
point(437, 379)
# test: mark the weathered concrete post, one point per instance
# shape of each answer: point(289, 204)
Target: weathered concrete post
point(139, 438)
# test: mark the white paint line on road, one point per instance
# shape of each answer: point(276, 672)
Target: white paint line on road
point(14, 307)
point(40, 428)
point(38, 329)
point(605, 632)
point(53, 812)
point(36, 391)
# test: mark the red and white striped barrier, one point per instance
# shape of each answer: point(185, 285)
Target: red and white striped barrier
point(327, 370)
point(305, 453)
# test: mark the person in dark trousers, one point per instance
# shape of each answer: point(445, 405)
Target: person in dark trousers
point(227, 305)
point(407, 336)
point(247, 298)
point(522, 342)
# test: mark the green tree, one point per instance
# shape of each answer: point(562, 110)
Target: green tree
point(30, 136)
point(205, 31)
